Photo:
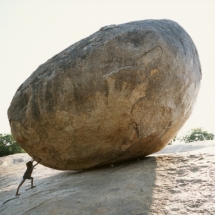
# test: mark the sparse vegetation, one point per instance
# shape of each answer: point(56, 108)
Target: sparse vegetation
point(197, 134)
point(8, 145)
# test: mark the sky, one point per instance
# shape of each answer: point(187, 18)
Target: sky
point(31, 32)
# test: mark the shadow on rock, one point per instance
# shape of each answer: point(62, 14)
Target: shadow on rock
point(122, 189)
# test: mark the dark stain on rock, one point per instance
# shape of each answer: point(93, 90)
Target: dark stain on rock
point(35, 110)
point(49, 98)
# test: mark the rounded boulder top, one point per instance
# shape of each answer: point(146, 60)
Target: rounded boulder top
point(121, 93)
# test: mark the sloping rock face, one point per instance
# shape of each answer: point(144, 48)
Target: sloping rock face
point(151, 186)
point(121, 93)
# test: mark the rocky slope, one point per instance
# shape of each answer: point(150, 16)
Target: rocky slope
point(172, 183)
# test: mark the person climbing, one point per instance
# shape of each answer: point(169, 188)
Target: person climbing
point(27, 175)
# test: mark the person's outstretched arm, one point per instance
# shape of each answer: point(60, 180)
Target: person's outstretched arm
point(36, 163)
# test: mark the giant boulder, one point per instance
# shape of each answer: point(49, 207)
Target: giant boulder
point(123, 92)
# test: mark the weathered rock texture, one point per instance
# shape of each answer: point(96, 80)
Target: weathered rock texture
point(120, 93)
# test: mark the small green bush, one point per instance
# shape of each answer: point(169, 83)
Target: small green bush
point(197, 134)
point(8, 145)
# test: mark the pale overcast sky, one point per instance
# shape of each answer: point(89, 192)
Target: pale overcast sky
point(33, 31)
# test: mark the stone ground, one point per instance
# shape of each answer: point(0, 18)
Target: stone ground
point(176, 182)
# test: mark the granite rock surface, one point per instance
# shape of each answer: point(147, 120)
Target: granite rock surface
point(121, 93)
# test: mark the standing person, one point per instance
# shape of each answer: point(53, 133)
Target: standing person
point(27, 175)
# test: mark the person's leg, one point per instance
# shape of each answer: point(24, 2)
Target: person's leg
point(32, 181)
point(17, 192)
